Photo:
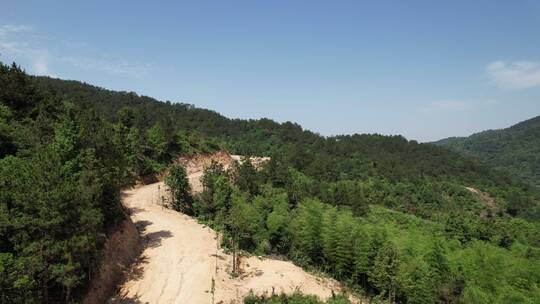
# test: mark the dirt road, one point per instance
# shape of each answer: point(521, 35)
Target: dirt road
point(182, 263)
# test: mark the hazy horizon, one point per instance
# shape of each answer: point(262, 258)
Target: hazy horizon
point(415, 69)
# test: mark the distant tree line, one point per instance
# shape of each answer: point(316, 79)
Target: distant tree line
point(515, 149)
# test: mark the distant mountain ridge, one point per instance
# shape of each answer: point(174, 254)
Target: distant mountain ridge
point(515, 149)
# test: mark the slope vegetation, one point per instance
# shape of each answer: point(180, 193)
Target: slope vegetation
point(515, 149)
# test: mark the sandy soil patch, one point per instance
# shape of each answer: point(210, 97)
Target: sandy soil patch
point(182, 262)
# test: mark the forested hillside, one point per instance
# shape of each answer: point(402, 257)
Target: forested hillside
point(515, 149)
point(62, 166)
point(404, 167)
point(390, 217)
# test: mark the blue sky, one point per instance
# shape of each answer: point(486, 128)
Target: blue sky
point(423, 69)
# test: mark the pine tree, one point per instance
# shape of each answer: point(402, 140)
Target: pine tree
point(180, 189)
point(216, 196)
point(157, 142)
point(246, 177)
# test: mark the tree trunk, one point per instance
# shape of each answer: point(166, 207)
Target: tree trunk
point(68, 294)
point(234, 256)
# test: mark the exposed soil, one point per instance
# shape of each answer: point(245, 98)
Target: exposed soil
point(122, 247)
point(182, 262)
point(492, 207)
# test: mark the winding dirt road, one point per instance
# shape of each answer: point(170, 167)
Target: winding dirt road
point(176, 265)
point(182, 262)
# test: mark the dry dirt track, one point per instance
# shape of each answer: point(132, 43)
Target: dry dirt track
point(181, 260)
point(176, 260)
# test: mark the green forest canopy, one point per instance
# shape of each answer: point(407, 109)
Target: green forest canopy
point(388, 216)
point(515, 149)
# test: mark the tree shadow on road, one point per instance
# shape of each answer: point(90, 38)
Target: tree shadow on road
point(135, 210)
point(141, 225)
point(125, 195)
point(154, 239)
point(125, 299)
point(151, 239)
point(136, 269)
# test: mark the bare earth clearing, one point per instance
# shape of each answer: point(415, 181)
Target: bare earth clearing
point(182, 262)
